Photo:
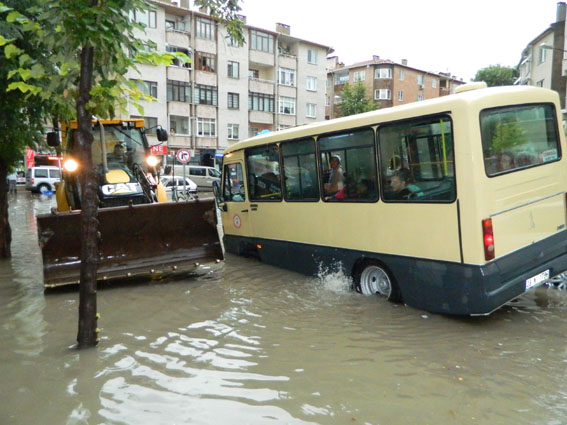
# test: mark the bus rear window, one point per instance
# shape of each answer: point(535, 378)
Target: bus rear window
point(517, 137)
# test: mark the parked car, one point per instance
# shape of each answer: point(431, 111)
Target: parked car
point(203, 176)
point(169, 182)
point(42, 179)
point(21, 177)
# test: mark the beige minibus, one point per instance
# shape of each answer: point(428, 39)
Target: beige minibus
point(454, 205)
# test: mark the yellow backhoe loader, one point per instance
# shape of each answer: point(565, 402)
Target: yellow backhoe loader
point(141, 234)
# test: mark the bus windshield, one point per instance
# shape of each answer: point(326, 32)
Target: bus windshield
point(517, 137)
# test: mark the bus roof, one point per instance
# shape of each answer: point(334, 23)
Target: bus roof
point(505, 95)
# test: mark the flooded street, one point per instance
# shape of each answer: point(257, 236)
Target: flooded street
point(251, 344)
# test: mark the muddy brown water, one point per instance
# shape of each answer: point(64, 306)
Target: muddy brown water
point(247, 343)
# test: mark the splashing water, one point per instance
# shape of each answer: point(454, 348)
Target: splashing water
point(333, 278)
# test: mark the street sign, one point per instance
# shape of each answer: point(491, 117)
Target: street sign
point(183, 156)
point(158, 149)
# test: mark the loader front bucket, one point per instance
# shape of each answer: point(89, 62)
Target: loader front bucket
point(138, 240)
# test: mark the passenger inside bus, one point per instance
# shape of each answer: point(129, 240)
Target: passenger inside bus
point(505, 162)
point(335, 182)
point(401, 187)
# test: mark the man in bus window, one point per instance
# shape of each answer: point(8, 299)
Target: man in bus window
point(399, 185)
point(335, 182)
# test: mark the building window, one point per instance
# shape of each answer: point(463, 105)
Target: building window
point(382, 94)
point(420, 81)
point(341, 77)
point(401, 96)
point(205, 95)
point(420, 97)
point(261, 41)
point(149, 88)
point(144, 17)
point(312, 83)
point(232, 132)
point(205, 28)
point(174, 25)
point(253, 131)
point(311, 111)
point(359, 76)
point(233, 70)
point(286, 77)
point(312, 56)
point(383, 73)
point(206, 62)
point(150, 123)
point(261, 102)
point(233, 101)
point(327, 101)
point(434, 83)
point(542, 54)
point(206, 127)
point(179, 125)
point(253, 74)
point(401, 75)
point(287, 105)
point(179, 62)
point(539, 83)
point(178, 91)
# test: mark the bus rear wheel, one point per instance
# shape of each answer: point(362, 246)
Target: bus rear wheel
point(371, 278)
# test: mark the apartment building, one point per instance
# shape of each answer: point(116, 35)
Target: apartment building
point(228, 92)
point(387, 83)
point(543, 61)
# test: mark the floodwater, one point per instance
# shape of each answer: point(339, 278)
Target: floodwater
point(251, 344)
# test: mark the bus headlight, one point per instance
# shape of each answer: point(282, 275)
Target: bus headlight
point(152, 161)
point(70, 165)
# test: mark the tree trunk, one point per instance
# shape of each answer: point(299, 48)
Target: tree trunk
point(87, 336)
point(5, 229)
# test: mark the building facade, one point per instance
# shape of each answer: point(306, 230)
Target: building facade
point(228, 92)
point(543, 61)
point(387, 83)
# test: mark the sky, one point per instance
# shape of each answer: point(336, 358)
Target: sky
point(453, 36)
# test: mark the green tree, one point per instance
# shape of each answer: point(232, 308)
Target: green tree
point(21, 122)
point(90, 46)
point(497, 75)
point(354, 100)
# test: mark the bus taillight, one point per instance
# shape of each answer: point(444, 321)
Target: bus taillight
point(488, 238)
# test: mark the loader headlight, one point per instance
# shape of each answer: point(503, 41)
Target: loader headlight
point(152, 161)
point(70, 165)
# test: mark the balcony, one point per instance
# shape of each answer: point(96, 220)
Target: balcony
point(261, 86)
point(261, 117)
point(261, 58)
point(287, 61)
point(177, 38)
point(178, 73)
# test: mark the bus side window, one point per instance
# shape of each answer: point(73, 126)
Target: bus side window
point(354, 155)
point(417, 160)
point(300, 170)
point(233, 184)
point(263, 168)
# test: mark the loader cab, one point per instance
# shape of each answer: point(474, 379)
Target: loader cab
point(122, 161)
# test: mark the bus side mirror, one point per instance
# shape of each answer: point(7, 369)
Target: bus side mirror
point(53, 139)
point(161, 134)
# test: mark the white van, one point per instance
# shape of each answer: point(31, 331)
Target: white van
point(202, 175)
point(42, 179)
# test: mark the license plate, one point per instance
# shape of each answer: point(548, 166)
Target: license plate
point(537, 279)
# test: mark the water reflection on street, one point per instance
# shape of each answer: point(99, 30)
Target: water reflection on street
point(247, 343)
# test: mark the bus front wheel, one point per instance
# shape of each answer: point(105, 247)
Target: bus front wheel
point(371, 278)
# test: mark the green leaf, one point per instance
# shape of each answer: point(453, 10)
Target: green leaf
point(24, 88)
point(10, 51)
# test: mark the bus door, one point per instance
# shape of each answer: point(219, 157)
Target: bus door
point(236, 209)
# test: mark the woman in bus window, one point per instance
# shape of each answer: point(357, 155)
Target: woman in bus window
point(335, 182)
